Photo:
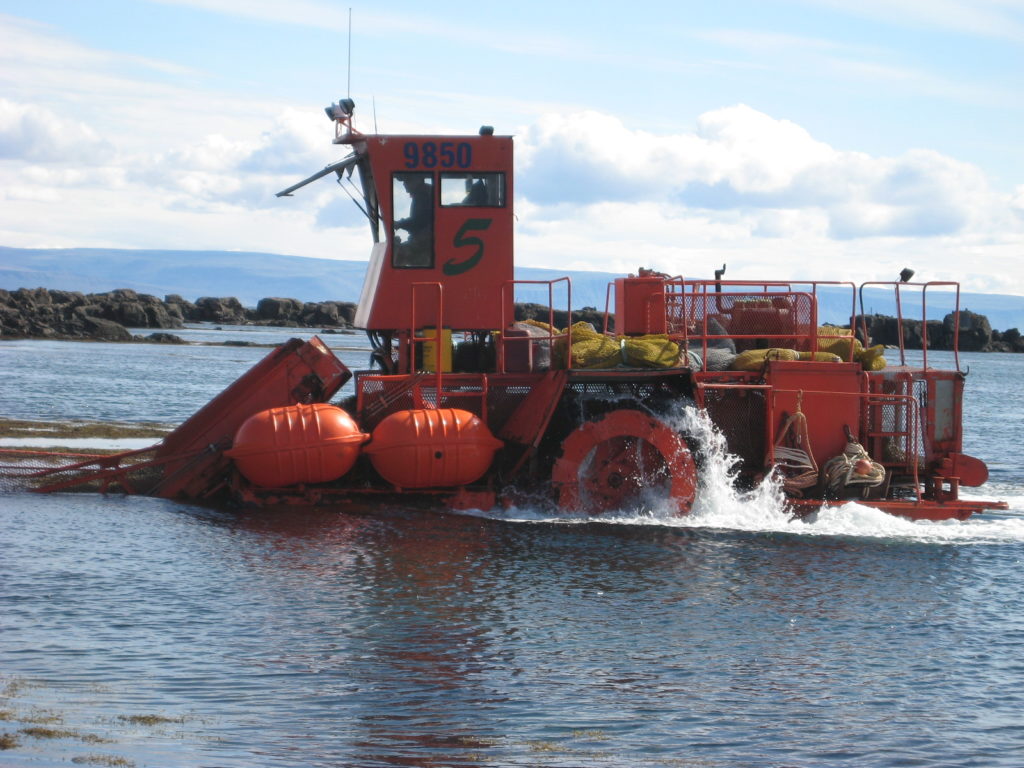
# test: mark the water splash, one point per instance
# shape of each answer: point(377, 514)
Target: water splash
point(721, 505)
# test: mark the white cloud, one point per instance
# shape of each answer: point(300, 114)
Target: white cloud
point(591, 156)
point(134, 103)
point(32, 133)
point(761, 194)
point(742, 160)
point(34, 194)
point(244, 172)
point(1017, 201)
point(295, 143)
point(754, 152)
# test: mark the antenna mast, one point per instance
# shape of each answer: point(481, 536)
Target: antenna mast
point(349, 86)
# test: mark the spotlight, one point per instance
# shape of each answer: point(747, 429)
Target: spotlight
point(906, 274)
point(341, 111)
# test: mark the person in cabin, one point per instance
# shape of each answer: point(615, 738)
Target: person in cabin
point(416, 249)
point(476, 192)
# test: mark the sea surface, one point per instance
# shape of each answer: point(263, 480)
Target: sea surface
point(147, 632)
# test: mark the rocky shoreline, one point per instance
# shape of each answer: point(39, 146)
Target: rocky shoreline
point(976, 334)
point(40, 313)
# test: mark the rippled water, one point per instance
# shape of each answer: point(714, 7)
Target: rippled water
point(58, 380)
point(390, 637)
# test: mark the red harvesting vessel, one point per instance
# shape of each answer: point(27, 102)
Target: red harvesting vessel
point(466, 407)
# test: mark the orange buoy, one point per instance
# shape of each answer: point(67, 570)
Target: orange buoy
point(297, 444)
point(432, 448)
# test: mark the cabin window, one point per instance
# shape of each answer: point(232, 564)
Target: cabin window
point(481, 190)
point(413, 216)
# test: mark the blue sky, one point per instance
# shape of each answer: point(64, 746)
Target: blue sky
point(829, 139)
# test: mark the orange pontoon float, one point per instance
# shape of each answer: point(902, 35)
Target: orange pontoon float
point(465, 408)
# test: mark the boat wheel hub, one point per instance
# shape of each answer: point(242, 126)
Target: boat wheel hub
point(608, 463)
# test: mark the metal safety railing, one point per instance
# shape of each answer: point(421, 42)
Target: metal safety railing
point(898, 287)
point(503, 339)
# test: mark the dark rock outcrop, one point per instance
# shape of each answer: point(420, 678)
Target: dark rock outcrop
point(180, 308)
point(275, 311)
point(560, 317)
point(228, 310)
point(46, 314)
point(1007, 341)
point(132, 309)
point(104, 330)
point(39, 313)
point(294, 313)
point(163, 338)
point(975, 333)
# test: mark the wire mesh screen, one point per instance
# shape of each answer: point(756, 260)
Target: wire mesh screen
point(752, 320)
point(739, 414)
point(465, 398)
point(895, 426)
point(654, 393)
point(33, 470)
point(920, 393)
point(380, 396)
point(502, 400)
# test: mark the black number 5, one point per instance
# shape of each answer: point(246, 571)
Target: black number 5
point(456, 267)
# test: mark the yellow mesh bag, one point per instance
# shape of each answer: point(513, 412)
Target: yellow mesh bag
point(754, 359)
point(595, 352)
point(651, 351)
point(870, 359)
point(588, 346)
point(591, 349)
point(544, 326)
point(820, 357)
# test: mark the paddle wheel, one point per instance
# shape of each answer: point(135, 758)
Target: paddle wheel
point(467, 403)
point(621, 458)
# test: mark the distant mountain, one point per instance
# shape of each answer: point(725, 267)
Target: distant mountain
point(191, 274)
point(245, 275)
point(251, 276)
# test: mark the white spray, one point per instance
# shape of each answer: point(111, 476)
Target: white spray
point(721, 504)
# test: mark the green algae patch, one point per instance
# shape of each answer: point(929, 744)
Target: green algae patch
point(107, 430)
point(544, 746)
point(149, 719)
point(15, 686)
point(8, 741)
point(590, 734)
point(40, 717)
point(111, 760)
point(38, 732)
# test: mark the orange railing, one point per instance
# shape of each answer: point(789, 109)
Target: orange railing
point(924, 316)
point(503, 339)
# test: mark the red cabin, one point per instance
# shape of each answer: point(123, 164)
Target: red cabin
point(445, 207)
